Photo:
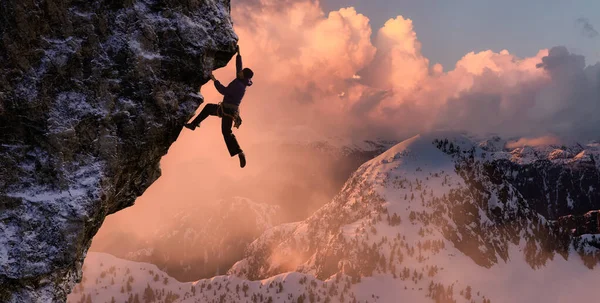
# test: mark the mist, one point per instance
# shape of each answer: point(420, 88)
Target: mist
point(324, 77)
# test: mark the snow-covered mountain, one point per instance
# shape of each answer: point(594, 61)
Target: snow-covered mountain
point(439, 217)
point(205, 241)
point(110, 279)
point(437, 201)
point(314, 173)
point(317, 171)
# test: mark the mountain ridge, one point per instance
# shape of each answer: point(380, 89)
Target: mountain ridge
point(425, 221)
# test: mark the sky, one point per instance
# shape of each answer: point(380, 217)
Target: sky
point(450, 29)
point(363, 70)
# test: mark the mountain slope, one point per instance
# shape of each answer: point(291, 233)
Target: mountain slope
point(428, 197)
point(107, 278)
point(431, 219)
point(204, 242)
point(316, 172)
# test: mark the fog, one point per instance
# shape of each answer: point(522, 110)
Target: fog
point(334, 78)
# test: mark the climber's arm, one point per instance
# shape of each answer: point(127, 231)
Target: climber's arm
point(238, 61)
point(220, 88)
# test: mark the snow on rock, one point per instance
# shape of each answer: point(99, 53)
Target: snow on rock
point(93, 93)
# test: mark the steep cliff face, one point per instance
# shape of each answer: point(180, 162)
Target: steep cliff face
point(92, 94)
point(588, 223)
point(556, 181)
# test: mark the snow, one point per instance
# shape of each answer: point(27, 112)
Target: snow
point(41, 196)
point(81, 14)
point(56, 55)
point(68, 111)
point(73, 201)
point(8, 232)
point(559, 281)
point(101, 270)
point(142, 252)
point(137, 49)
point(574, 152)
point(413, 167)
point(570, 202)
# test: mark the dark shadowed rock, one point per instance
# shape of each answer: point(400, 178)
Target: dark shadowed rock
point(92, 94)
point(588, 223)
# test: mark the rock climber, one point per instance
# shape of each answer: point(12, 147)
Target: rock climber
point(228, 110)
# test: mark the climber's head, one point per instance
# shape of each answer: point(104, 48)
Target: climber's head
point(246, 73)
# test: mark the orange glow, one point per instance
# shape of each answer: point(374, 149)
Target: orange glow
point(319, 76)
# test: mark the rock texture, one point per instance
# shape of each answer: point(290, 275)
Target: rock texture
point(92, 94)
point(589, 223)
point(555, 180)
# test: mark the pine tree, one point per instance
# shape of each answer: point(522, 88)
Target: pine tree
point(468, 293)
point(148, 296)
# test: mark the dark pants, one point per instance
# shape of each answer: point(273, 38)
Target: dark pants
point(226, 123)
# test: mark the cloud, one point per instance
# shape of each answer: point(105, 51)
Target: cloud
point(559, 59)
point(327, 72)
point(369, 100)
point(587, 29)
point(533, 142)
point(398, 63)
point(322, 75)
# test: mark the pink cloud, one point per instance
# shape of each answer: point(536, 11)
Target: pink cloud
point(328, 73)
point(318, 76)
point(533, 142)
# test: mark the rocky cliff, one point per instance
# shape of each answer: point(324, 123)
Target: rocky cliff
point(92, 94)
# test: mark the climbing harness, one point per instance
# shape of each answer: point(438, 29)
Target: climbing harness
point(235, 116)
